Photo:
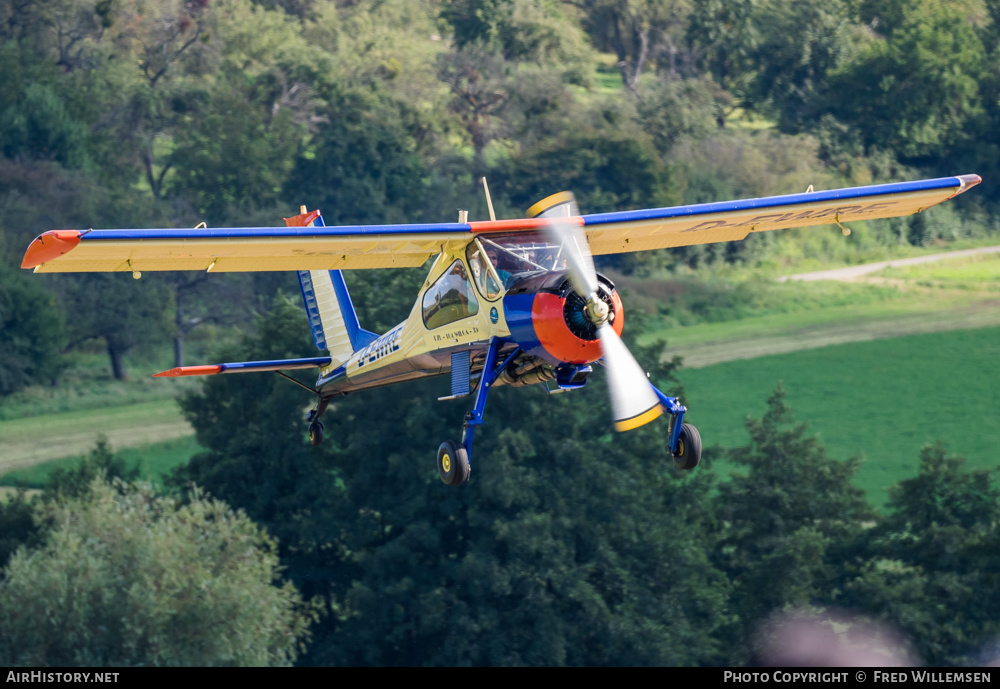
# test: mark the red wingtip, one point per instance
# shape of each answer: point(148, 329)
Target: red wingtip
point(969, 181)
point(50, 245)
point(209, 370)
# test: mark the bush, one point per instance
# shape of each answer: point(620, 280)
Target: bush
point(128, 578)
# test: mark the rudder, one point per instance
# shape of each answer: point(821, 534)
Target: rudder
point(332, 318)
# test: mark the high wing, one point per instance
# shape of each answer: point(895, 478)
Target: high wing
point(661, 228)
point(402, 246)
point(236, 249)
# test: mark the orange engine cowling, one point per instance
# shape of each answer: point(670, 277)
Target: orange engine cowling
point(547, 318)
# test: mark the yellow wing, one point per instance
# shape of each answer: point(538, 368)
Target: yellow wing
point(661, 228)
point(242, 248)
point(305, 246)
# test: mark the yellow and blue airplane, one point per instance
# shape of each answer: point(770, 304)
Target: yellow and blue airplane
point(507, 302)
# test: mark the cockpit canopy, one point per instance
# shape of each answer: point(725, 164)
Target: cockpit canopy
point(494, 258)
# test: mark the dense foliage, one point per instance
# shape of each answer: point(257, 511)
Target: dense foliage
point(575, 546)
point(570, 545)
point(126, 577)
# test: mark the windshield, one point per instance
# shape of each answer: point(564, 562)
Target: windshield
point(522, 252)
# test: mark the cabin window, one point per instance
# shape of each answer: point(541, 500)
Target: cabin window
point(450, 298)
point(481, 272)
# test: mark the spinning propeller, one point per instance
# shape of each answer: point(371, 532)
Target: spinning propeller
point(633, 400)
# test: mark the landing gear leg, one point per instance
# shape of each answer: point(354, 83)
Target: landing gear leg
point(474, 417)
point(315, 425)
point(684, 444)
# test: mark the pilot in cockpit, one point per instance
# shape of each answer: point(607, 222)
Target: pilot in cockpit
point(502, 273)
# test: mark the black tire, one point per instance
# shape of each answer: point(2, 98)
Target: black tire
point(688, 453)
point(453, 463)
point(316, 433)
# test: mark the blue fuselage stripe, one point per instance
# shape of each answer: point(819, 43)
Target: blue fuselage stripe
point(517, 311)
point(333, 375)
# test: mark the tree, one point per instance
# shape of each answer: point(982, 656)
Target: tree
point(674, 108)
point(565, 548)
point(363, 166)
point(722, 38)
point(477, 78)
point(522, 31)
point(799, 44)
point(636, 31)
point(38, 125)
point(932, 567)
point(123, 315)
point(126, 577)
point(17, 525)
point(607, 170)
point(236, 140)
point(914, 89)
point(786, 523)
point(31, 332)
point(66, 483)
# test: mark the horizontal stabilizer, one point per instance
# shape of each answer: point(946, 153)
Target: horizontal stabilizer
point(244, 367)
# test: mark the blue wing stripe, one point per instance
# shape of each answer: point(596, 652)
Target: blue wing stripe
point(772, 201)
point(252, 232)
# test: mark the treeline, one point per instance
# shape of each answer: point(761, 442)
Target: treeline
point(570, 546)
point(116, 113)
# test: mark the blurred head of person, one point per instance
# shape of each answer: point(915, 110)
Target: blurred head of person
point(830, 638)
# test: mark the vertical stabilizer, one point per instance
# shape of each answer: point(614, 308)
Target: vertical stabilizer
point(332, 318)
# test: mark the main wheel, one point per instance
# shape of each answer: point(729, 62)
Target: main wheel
point(688, 448)
point(453, 463)
point(316, 433)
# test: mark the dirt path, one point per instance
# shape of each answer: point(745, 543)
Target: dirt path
point(780, 341)
point(24, 442)
point(977, 313)
point(854, 272)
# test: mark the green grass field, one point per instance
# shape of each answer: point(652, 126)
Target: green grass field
point(154, 461)
point(25, 442)
point(883, 400)
point(87, 385)
point(976, 272)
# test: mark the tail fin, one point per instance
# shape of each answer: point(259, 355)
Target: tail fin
point(332, 317)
